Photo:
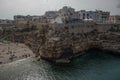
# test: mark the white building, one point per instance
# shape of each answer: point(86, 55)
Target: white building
point(58, 20)
point(66, 13)
point(97, 16)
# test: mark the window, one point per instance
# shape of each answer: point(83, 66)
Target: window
point(83, 17)
point(66, 27)
point(72, 27)
point(91, 25)
point(88, 16)
point(78, 34)
point(71, 14)
point(72, 34)
point(83, 14)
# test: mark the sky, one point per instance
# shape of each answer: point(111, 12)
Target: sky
point(9, 8)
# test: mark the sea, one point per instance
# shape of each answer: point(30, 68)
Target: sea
point(93, 65)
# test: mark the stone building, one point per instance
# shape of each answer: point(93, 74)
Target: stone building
point(40, 19)
point(51, 14)
point(114, 19)
point(66, 13)
point(2, 22)
point(62, 15)
point(97, 16)
point(21, 17)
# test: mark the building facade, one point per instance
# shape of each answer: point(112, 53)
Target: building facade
point(69, 14)
point(2, 22)
point(114, 19)
point(51, 14)
point(97, 16)
point(21, 17)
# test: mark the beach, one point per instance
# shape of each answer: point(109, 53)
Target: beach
point(10, 52)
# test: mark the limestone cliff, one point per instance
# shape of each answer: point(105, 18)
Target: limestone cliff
point(61, 45)
point(61, 42)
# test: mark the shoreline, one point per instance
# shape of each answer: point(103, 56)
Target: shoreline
point(67, 61)
point(10, 52)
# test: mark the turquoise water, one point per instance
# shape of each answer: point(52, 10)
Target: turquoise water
point(94, 65)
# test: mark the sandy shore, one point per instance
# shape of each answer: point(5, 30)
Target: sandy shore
point(13, 51)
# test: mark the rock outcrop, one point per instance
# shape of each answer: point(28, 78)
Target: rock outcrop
point(60, 43)
point(61, 47)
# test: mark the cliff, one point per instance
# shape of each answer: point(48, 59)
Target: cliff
point(61, 42)
point(61, 45)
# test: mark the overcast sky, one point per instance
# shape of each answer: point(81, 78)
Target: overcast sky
point(8, 8)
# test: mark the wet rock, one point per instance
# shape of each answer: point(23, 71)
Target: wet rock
point(62, 61)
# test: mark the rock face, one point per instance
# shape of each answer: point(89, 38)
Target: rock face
point(61, 45)
point(61, 42)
